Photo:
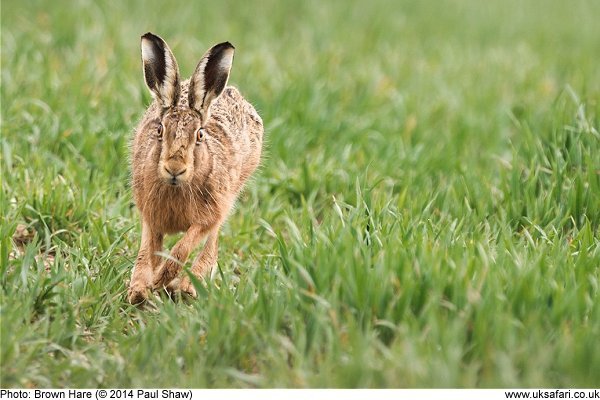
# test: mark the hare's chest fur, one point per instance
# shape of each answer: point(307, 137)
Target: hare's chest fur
point(175, 209)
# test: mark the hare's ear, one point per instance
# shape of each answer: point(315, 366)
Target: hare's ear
point(160, 70)
point(210, 77)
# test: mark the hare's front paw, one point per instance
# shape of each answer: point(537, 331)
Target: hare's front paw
point(186, 286)
point(165, 275)
point(137, 293)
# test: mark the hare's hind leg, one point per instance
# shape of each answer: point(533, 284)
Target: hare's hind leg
point(143, 272)
point(204, 263)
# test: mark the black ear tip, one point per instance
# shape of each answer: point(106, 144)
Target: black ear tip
point(152, 37)
point(224, 46)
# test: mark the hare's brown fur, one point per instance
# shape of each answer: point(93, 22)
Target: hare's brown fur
point(214, 172)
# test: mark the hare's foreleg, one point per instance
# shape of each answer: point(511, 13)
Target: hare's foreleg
point(147, 260)
point(179, 254)
point(204, 262)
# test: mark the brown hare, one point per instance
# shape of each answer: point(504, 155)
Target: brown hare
point(194, 148)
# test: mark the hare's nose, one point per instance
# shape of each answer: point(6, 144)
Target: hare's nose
point(175, 172)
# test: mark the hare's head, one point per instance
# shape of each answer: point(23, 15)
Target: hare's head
point(181, 127)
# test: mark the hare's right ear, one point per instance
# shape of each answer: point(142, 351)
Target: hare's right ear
point(160, 70)
point(210, 77)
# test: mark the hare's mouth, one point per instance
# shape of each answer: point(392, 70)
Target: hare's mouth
point(174, 181)
point(173, 176)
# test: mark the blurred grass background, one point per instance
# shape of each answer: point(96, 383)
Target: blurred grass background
point(426, 214)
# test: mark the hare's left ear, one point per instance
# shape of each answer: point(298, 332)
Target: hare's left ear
point(210, 77)
point(160, 70)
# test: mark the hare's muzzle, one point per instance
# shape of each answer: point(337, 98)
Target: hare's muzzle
point(174, 174)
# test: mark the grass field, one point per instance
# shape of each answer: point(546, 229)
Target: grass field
point(427, 213)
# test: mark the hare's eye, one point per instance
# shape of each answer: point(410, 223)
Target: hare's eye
point(199, 135)
point(159, 131)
